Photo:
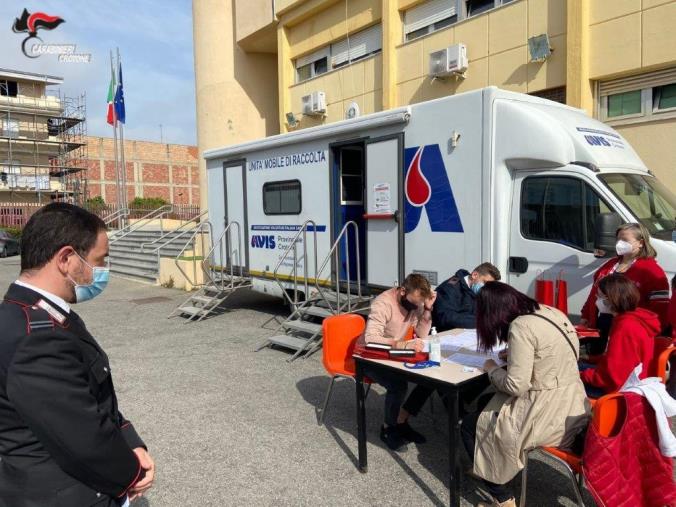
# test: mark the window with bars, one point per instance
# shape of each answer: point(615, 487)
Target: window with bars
point(8, 88)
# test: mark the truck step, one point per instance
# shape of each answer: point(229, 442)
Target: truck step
point(303, 326)
point(317, 311)
point(288, 342)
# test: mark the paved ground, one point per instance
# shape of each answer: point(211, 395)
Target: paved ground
point(228, 426)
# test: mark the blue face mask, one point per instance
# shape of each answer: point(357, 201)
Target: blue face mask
point(100, 277)
point(476, 287)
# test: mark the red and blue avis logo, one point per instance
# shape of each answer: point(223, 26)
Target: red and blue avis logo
point(427, 187)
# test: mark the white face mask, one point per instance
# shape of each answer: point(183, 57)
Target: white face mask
point(623, 247)
point(602, 305)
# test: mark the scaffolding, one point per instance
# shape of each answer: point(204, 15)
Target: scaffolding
point(43, 144)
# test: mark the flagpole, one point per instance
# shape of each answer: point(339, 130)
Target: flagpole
point(117, 165)
point(124, 166)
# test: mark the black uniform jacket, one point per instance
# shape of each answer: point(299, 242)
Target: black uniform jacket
point(63, 441)
point(455, 306)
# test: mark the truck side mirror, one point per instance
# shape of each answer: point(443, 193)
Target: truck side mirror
point(605, 229)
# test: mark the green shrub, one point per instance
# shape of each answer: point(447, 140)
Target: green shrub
point(95, 203)
point(14, 231)
point(147, 203)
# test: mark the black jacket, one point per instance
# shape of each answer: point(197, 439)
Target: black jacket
point(63, 441)
point(455, 306)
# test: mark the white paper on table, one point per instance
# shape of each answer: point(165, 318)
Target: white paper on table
point(467, 339)
point(475, 361)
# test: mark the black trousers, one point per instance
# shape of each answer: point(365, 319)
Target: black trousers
point(603, 323)
point(415, 401)
point(468, 432)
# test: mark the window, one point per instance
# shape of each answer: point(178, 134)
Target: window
point(664, 97)
point(357, 46)
point(312, 65)
point(643, 97)
point(475, 7)
point(8, 88)
point(429, 17)
point(623, 104)
point(650, 201)
point(352, 175)
point(282, 198)
point(560, 209)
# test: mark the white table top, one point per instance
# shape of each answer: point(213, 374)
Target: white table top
point(449, 372)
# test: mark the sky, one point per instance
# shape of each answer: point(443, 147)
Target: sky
point(155, 42)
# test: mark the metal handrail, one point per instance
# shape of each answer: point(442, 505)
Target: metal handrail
point(154, 214)
point(293, 246)
point(335, 250)
point(198, 230)
point(219, 243)
point(188, 222)
point(124, 212)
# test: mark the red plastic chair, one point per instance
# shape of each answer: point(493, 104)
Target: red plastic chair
point(608, 415)
point(341, 333)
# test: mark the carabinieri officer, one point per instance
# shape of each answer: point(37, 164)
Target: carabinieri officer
point(63, 440)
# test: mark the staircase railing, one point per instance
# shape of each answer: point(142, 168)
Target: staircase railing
point(144, 220)
point(293, 247)
point(204, 228)
point(224, 245)
point(336, 251)
point(196, 219)
point(118, 216)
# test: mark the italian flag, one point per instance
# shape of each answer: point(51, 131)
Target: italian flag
point(110, 118)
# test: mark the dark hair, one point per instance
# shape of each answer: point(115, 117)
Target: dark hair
point(54, 226)
point(623, 295)
point(487, 268)
point(414, 282)
point(498, 304)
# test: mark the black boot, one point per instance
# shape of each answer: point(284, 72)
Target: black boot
point(393, 438)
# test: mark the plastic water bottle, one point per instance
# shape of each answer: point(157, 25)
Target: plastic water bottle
point(435, 346)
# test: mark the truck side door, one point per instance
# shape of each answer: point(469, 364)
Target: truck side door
point(552, 232)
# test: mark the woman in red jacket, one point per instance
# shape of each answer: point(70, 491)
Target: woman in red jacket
point(636, 260)
point(631, 341)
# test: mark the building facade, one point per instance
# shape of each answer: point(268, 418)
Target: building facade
point(616, 59)
point(168, 171)
point(43, 152)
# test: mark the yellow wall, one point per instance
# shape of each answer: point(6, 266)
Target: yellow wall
point(236, 92)
point(497, 51)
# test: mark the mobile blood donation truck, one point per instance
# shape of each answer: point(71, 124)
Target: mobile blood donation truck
point(489, 175)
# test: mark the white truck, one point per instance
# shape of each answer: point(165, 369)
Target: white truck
point(487, 175)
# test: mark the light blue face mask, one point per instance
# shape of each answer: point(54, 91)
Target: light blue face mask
point(100, 277)
point(476, 287)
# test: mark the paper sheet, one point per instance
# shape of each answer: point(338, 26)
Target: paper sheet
point(465, 340)
point(473, 360)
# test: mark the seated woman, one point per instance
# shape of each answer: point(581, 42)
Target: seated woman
point(540, 399)
point(631, 340)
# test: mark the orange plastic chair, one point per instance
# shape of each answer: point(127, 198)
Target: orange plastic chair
point(663, 363)
point(662, 343)
point(341, 333)
point(608, 416)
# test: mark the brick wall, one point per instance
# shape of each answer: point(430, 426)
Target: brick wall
point(169, 171)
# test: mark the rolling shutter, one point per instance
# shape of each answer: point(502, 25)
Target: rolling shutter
point(628, 84)
point(357, 46)
point(427, 14)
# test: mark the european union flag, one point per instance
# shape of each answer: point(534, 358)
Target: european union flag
point(119, 98)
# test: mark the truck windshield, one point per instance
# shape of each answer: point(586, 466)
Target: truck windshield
point(650, 201)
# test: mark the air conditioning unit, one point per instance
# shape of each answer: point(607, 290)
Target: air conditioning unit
point(449, 61)
point(314, 104)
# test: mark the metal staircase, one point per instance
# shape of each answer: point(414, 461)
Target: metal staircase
point(302, 330)
point(221, 270)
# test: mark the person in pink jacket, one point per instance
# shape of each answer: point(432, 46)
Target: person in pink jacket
point(393, 314)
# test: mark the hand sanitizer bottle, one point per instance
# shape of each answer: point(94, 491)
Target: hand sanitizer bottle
point(435, 346)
